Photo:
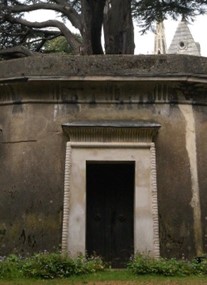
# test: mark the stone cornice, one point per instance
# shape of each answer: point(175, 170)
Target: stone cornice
point(178, 77)
point(111, 131)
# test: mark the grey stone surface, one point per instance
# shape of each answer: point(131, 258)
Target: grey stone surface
point(183, 42)
point(114, 124)
point(51, 66)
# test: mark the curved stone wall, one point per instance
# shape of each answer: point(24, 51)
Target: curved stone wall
point(34, 104)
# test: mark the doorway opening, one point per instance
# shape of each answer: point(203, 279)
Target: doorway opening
point(110, 210)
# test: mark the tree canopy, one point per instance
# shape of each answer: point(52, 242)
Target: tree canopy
point(89, 17)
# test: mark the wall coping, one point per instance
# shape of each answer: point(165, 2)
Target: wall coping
point(105, 68)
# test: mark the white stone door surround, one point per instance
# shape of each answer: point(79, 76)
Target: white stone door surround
point(108, 142)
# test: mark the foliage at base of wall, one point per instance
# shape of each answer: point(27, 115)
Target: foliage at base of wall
point(141, 264)
point(54, 265)
point(48, 266)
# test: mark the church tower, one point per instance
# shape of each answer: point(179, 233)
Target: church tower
point(160, 41)
point(183, 42)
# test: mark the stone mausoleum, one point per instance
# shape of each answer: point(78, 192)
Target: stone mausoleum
point(104, 154)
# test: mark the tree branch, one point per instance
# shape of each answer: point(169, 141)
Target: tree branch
point(71, 39)
point(65, 8)
point(13, 52)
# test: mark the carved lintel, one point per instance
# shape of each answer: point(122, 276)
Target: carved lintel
point(111, 131)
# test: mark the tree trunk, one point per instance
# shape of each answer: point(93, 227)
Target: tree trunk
point(92, 14)
point(96, 25)
point(118, 27)
point(86, 28)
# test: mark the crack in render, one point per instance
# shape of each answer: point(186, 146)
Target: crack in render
point(22, 141)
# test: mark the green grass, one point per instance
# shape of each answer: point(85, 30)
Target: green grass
point(112, 277)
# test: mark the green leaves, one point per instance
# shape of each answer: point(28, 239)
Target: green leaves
point(48, 266)
point(52, 265)
point(141, 264)
point(148, 12)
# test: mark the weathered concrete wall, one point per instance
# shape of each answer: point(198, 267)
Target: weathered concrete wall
point(32, 173)
point(32, 153)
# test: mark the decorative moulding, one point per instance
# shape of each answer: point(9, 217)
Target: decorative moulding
point(125, 141)
point(111, 131)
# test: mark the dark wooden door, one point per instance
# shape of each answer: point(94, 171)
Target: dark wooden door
point(110, 200)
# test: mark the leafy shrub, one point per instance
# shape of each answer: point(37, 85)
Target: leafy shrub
point(85, 265)
point(168, 267)
point(10, 267)
point(49, 266)
point(172, 267)
point(199, 268)
point(141, 264)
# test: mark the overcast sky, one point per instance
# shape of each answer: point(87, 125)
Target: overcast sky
point(145, 44)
